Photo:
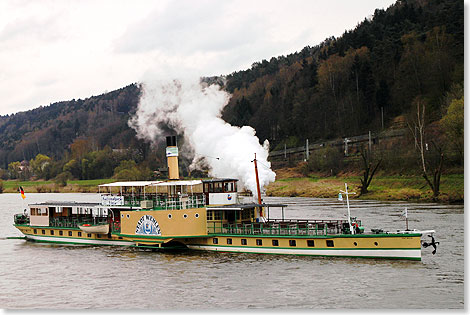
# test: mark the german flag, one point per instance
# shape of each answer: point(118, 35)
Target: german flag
point(22, 192)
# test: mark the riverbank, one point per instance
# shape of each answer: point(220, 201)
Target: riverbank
point(290, 183)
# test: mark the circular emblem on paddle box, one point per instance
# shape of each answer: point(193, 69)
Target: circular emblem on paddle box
point(147, 225)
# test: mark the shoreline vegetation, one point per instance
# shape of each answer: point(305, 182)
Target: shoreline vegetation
point(290, 184)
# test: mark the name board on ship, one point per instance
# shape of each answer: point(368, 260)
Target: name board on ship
point(147, 225)
point(112, 200)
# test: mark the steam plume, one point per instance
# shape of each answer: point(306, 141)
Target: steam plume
point(193, 108)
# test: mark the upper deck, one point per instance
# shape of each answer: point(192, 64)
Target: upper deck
point(169, 195)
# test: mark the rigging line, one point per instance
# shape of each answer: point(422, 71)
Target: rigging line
point(263, 165)
point(207, 156)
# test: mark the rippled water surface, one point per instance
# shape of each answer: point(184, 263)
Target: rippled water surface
point(78, 277)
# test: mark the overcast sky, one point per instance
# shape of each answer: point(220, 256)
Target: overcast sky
point(54, 51)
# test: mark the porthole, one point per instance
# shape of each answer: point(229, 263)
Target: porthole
point(122, 215)
point(185, 215)
point(197, 215)
point(128, 216)
point(376, 244)
point(355, 243)
point(169, 216)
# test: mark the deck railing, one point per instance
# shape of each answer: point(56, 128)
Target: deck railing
point(164, 202)
point(74, 222)
point(282, 227)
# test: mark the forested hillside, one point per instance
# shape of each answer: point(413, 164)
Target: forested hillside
point(341, 86)
point(411, 52)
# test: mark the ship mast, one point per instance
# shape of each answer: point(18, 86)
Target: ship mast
point(257, 187)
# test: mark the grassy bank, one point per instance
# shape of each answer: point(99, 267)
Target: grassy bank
point(292, 184)
point(73, 186)
point(405, 188)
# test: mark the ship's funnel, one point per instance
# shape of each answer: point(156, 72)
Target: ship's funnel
point(172, 157)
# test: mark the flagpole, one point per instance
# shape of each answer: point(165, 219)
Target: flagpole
point(406, 218)
point(349, 211)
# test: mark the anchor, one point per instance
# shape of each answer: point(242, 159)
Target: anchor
point(433, 244)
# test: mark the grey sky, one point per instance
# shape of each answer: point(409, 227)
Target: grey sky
point(54, 51)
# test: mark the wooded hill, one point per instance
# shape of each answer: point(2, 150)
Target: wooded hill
point(412, 50)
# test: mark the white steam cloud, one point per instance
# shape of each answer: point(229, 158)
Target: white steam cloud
point(192, 108)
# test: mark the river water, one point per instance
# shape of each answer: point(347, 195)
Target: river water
point(35, 276)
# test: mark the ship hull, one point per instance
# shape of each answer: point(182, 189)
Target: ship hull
point(409, 254)
point(391, 246)
point(60, 236)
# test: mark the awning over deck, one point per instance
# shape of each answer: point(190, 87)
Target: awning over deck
point(131, 184)
point(243, 206)
point(178, 183)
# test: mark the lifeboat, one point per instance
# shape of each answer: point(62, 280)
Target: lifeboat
point(98, 229)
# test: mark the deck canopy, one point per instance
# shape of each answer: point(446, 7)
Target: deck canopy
point(178, 183)
point(243, 206)
point(131, 184)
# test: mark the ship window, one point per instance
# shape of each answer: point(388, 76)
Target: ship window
point(120, 238)
point(98, 236)
point(128, 216)
point(43, 231)
point(70, 233)
point(218, 215)
point(246, 214)
point(330, 243)
point(61, 232)
point(185, 215)
point(376, 244)
point(52, 232)
point(218, 187)
point(35, 231)
point(292, 243)
point(122, 216)
point(169, 216)
point(229, 241)
point(79, 234)
point(275, 242)
point(88, 235)
point(310, 243)
point(215, 240)
point(209, 215)
point(259, 242)
point(197, 215)
point(355, 243)
point(243, 241)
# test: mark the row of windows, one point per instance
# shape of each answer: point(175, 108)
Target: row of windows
point(61, 233)
point(293, 243)
point(185, 216)
point(259, 242)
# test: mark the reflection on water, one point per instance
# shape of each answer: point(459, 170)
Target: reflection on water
point(34, 275)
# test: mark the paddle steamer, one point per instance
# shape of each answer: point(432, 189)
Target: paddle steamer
point(204, 215)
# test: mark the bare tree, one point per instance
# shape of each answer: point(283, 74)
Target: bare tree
point(369, 168)
point(418, 129)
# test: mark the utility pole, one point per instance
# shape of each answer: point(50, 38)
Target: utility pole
point(307, 150)
point(382, 109)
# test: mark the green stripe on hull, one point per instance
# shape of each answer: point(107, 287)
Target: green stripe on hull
point(304, 251)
